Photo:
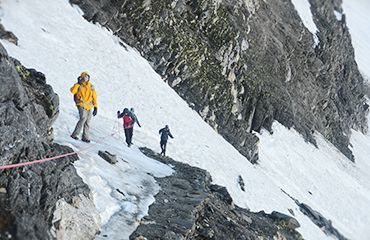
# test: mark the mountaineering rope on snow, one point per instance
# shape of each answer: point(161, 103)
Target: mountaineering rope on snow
point(55, 157)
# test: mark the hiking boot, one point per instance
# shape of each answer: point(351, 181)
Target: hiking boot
point(74, 137)
point(85, 140)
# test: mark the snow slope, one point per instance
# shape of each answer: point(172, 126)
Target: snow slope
point(56, 40)
point(358, 19)
point(322, 177)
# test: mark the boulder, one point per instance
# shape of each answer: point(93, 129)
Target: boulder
point(107, 156)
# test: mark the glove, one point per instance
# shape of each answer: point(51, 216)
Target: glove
point(79, 80)
point(139, 124)
point(95, 111)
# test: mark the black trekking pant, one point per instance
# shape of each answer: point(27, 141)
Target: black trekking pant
point(163, 146)
point(128, 135)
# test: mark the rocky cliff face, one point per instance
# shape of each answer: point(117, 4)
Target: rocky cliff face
point(188, 206)
point(241, 64)
point(29, 195)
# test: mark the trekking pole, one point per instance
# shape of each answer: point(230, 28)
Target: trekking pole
point(118, 129)
point(114, 128)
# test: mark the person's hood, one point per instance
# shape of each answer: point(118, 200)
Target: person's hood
point(84, 74)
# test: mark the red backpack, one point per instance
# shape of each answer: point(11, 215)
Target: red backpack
point(127, 121)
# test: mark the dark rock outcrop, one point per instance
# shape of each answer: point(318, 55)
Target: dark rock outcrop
point(318, 219)
point(7, 35)
point(323, 223)
point(28, 107)
point(243, 64)
point(107, 156)
point(188, 206)
point(241, 183)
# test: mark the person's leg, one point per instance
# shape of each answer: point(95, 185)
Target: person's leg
point(127, 135)
point(131, 132)
point(85, 133)
point(164, 148)
point(80, 123)
point(161, 143)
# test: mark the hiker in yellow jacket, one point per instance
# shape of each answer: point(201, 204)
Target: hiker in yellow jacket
point(84, 95)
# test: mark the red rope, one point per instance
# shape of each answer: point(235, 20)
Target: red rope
point(50, 158)
point(36, 161)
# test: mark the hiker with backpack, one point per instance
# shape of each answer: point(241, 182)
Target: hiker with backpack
point(128, 125)
point(134, 117)
point(84, 95)
point(165, 133)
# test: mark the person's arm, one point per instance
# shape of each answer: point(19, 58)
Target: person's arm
point(95, 99)
point(160, 131)
point(74, 88)
point(95, 103)
point(169, 134)
point(137, 120)
point(119, 114)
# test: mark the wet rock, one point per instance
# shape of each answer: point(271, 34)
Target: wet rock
point(188, 206)
point(107, 156)
point(317, 218)
point(6, 35)
point(322, 222)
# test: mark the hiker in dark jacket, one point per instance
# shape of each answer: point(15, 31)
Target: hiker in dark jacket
point(165, 133)
point(127, 125)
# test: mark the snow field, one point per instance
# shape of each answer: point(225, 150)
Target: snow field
point(56, 40)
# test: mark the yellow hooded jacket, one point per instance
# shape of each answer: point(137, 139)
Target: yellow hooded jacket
point(86, 94)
